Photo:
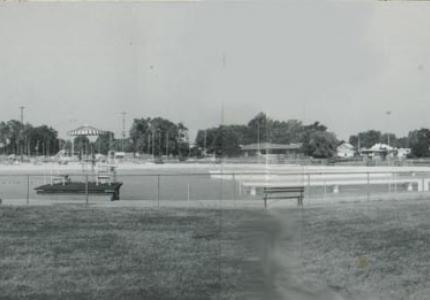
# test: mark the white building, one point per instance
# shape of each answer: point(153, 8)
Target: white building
point(379, 151)
point(345, 150)
point(402, 153)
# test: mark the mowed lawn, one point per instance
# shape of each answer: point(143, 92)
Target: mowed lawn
point(78, 252)
point(363, 250)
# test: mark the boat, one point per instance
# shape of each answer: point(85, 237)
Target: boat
point(81, 188)
point(105, 183)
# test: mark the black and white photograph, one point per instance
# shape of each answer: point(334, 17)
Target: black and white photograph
point(244, 150)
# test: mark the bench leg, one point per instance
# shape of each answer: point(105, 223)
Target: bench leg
point(265, 202)
point(300, 201)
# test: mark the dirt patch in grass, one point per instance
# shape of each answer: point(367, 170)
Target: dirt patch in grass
point(77, 252)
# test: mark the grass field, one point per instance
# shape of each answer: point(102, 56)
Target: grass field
point(366, 250)
point(76, 252)
point(362, 250)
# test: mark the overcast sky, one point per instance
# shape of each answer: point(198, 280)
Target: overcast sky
point(344, 64)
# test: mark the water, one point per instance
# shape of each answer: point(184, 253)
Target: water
point(173, 184)
point(137, 185)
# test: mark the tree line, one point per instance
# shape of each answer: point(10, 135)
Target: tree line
point(417, 140)
point(159, 136)
point(16, 138)
point(225, 140)
point(156, 136)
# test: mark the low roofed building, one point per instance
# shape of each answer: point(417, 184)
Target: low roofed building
point(293, 150)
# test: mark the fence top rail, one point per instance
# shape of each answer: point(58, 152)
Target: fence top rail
point(238, 173)
point(283, 189)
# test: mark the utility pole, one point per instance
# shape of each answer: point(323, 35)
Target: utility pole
point(388, 113)
point(123, 130)
point(22, 133)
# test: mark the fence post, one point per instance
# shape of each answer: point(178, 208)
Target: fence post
point(395, 183)
point(188, 191)
point(86, 189)
point(325, 188)
point(158, 190)
point(390, 183)
point(368, 186)
point(234, 187)
point(28, 189)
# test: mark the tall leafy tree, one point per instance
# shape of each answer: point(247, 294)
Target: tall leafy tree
point(140, 132)
point(322, 144)
point(366, 139)
point(5, 138)
point(44, 140)
point(159, 136)
point(104, 143)
point(318, 142)
point(223, 140)
point(260, 128)
point(419, 141)
point(15, 135)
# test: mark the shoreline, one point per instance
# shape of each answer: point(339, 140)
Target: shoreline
point(76, 167)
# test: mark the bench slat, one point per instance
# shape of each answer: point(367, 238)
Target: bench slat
point(287, 197)
point(282, 191)
point(283, 187)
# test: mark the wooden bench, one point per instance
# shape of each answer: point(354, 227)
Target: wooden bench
point(284, 192)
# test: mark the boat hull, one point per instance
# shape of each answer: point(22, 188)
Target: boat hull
point(81, 188)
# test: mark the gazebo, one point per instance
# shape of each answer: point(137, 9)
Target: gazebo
point(87, 131)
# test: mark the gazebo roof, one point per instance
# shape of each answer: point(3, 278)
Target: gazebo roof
point(86, 131)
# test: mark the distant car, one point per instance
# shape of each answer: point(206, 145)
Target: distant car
point(158, 160)
point(101, 157)
point(119, 155)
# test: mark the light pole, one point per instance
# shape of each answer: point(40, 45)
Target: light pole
point(388, 113)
